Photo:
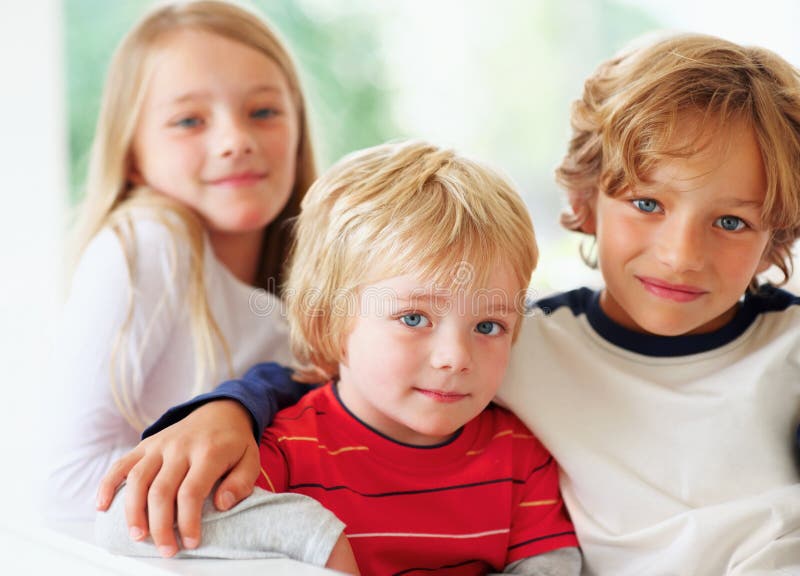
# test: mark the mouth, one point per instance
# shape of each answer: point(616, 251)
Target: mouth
point(237, 180)
point(668, 291)
point(439, 396)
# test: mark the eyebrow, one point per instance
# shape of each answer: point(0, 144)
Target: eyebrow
point(652, 189)
point(500, 309)
point(737, 203)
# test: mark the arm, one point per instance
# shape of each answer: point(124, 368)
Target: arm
point(95, 418)
point(561, 562)
point(540, 525)
point(263, 391)
point(181, 463)
point(264, 525)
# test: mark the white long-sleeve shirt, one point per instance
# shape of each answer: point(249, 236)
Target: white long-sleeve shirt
point(156, 363)
point(677, 453)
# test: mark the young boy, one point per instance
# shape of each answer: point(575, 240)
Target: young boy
point(405, 291)
point(671, 397)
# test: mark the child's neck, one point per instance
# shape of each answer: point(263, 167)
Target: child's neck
point(239, 253)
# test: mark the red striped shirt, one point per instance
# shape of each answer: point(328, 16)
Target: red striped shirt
point(484, 499)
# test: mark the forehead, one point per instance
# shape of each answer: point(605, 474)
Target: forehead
point(196, 61)
point(459, 281)
point(712, 155)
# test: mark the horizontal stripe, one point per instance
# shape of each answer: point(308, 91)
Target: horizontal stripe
point(405, 492)
point(424, 535)
point(502, 434)
point(343, 449)
point(532, 540)
point(321, 446)
point(537, 503)
point(438, 568)
point(297, 439)
point(286, 418)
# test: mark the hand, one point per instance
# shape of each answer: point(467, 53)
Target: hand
point(179, 466)
point(342, 558)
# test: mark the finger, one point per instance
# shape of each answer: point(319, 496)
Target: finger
point(161, 504)
point(240, 481)
point(138, 482)
point(114, 477)
point(203, 474)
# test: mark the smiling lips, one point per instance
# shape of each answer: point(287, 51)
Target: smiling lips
point(237, 180)
point(444, 397)
point(674, 292)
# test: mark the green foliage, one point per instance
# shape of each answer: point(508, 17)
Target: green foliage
point(342, 70)
point(93, 28)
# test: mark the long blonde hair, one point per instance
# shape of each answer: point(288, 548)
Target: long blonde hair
point(111, 198)
point(632, 103)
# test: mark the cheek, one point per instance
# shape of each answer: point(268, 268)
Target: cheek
point(371, 351)
point(163, 161)
point(740, 261)
point(495, 361)
point(280, 147)
point(617, 237)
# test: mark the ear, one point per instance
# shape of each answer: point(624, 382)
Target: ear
point(589, 225)
point(764, 265)
point(583, 210)
point(134, 176)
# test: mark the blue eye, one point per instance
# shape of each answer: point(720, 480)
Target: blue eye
point(264, 113)
point(414, 320)
point(646, 205)
point(730, 223)
point(488, 328)
point(188, 122)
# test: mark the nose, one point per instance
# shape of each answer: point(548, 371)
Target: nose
point(680, 245)
point(452, 352)
point(234, 139)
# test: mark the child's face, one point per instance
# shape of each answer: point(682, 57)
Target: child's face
point(420, 362)
point(218, 131)
point(678, 254)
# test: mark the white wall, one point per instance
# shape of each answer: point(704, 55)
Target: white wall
point(32, 165)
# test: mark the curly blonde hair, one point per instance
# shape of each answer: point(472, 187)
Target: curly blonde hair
point(623, 124)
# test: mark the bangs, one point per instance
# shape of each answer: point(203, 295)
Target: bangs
point(443, 235)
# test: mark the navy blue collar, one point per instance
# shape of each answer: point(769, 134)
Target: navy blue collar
point(586, 301)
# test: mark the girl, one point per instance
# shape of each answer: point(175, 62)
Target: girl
point(201, 154)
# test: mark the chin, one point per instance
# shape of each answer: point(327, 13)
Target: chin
point(669, 328)
point(246, 221)
point(439, 429)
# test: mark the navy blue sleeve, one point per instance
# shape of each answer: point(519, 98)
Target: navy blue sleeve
point(263, 391)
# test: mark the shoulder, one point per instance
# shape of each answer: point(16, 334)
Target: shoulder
point(138, 241)
point(575, 302)
point(555, 317)
point(141, 258)
point(772, 299)
point(504, 425)
point(306, 415)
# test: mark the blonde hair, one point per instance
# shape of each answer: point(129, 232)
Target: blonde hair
point(398, 208)
point(632, 104)
point(111, 198)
